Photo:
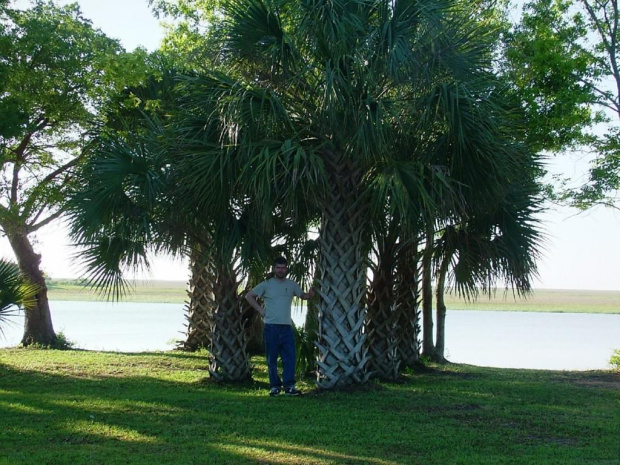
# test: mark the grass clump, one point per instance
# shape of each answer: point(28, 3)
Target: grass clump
point(96, 407)
point(615, 360)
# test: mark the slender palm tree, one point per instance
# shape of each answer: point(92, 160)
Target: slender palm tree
point(201, 302)
point(407, 303)
point(492, 226)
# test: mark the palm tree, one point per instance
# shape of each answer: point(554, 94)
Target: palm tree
point(490, 232)
point(15, 291)
point(201, 302)
point(315, 96)
point(381, 318)
point(407, 304)
point(128, 209)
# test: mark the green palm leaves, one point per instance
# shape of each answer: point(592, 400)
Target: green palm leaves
point(15, 291)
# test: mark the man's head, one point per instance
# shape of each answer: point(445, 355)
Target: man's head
point(280, 267)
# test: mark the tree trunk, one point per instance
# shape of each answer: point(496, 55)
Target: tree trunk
point(381, 328)
point(229, 359)
point(253, 325)
point(215, 319)
point(38, 328)
point(252, 321)
point(440, 339)
point(199, 310)
point(407, 298)
point(428, 347)
point(311, 325)
point(342, 276)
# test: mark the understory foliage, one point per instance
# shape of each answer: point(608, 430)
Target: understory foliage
point(15, 291)
point(615, 360)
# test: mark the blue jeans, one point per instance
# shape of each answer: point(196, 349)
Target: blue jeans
point(280, 341)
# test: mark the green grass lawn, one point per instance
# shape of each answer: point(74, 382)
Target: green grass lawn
point(542, 300)
point(78, 407)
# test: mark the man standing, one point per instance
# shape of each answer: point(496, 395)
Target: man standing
point(277, 294)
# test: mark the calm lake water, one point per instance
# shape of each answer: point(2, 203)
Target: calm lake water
point(557, 341)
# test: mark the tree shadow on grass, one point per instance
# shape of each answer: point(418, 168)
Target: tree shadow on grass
point(62, 417)
point(58, 414)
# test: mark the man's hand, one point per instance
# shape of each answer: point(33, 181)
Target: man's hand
point(308, 295)
point(251, 298)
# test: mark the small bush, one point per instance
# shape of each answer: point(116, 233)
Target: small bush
point(61, 343)
point(615, 360)
point(306, 351)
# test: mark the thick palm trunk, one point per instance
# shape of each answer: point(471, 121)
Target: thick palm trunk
point(381, 327)
point(253, 325)
point(407, 298)
point(229, 359)
point(201, 305)
point(215, 319)
point(342, 355)
point(252, 321)
point(38, 327)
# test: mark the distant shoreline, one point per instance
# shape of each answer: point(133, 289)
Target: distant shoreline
point(542, 300)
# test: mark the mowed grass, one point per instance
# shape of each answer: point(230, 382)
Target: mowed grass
point(542, 300)
point(83, 407)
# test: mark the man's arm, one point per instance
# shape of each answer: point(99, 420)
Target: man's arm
point(251, 298)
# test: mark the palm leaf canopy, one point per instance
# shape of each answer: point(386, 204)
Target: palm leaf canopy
point(301, 80)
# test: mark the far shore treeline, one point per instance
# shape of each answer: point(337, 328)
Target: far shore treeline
point(541, 300)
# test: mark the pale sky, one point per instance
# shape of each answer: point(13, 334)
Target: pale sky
point(581, 252)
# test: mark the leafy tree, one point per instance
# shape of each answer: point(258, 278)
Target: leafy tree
point(562, 60)
point(56, 70)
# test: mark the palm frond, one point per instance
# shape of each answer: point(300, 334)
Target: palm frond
point(15, 291)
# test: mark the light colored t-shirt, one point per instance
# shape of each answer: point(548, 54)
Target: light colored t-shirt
point(278, 296)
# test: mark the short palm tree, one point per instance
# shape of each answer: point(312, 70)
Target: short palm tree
point(15, 291)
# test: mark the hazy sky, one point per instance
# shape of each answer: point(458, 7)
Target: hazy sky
point(580, 253)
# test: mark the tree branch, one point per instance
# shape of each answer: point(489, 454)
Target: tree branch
point(61, 169)
point(19, 151)
point(608, 29)
point(54, 216)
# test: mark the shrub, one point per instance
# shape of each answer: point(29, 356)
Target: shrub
point(615, 360)
point(15, 291)
point(306, 351)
